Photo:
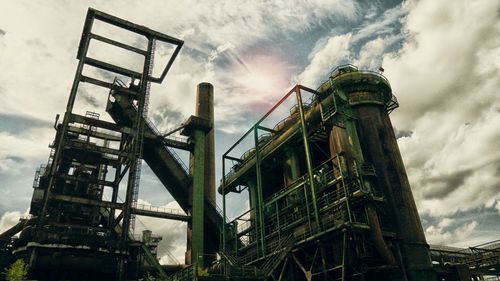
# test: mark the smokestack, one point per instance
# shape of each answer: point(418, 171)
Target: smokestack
point(205, 110)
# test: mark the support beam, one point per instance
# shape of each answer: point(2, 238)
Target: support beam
point(260, 200)
point(161, 215)
point(85, 201)
point(118, 44)
point(307, 151)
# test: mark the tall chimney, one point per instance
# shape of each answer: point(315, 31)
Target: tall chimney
point(205, 110)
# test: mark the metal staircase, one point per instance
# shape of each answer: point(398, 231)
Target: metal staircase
point(140, 136)
point(274, 260)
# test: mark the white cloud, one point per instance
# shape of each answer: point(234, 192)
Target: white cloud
point(330, 52)
point(385, 24)
point(447, 167)
point(173, 233)
point(445, 222)
point(447, 83)
point(335, 50)
point(446, 79)
point(39, 50)
point(445, 234)
point(9, 219)
point(438, 66)
point(371, 54)
point(19, 151)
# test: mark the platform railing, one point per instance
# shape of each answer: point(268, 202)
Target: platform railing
point(160, 209)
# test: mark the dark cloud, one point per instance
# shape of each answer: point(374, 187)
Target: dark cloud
point(15, 159)
point(402, 133)
point(88, 98)
point(2, 32)
point(167, 115)
point(445, 184)
point(16, 188)
point(485, 220)
point(15, 124)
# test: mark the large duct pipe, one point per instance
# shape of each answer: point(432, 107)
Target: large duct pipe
point(376, 234)
point(205, 110)
point(12, 231)
point(339, 143)
point(6, 235)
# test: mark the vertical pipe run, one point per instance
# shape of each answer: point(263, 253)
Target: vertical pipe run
point(346, 195)
point(254, 202)
point(259, 190)
point(344, 255)
point(291, 167)
point(223, 205)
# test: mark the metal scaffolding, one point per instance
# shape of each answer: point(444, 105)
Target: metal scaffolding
point(317, 215)
point(72, 216)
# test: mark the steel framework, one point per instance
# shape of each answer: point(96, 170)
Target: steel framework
point(72, 216)
point(316, 215)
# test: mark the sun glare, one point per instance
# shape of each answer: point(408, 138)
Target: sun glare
point(262, 76)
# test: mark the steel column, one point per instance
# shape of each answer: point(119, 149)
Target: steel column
point(308, 156)
point(66, 119)
point(259, 190)
point(138, 127)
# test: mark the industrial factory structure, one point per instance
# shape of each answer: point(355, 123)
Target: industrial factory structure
point(329, 198)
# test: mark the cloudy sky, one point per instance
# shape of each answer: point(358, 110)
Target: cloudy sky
point(441, 57)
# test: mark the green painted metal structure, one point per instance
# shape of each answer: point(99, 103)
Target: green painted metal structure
point(334, 215)
point(75, 232)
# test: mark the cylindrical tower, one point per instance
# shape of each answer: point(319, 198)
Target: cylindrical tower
point(368, 96)
point(205, 110)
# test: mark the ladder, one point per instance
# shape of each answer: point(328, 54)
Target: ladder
point(140, 139)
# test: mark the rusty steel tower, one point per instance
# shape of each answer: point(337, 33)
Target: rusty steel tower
point(75, 231)
point(328, 192)
point(89, 155)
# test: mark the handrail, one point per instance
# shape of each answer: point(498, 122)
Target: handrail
point(343, 66)
point(357, 70)
point(159, 209)
point(174, 154)
point(281, 122)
